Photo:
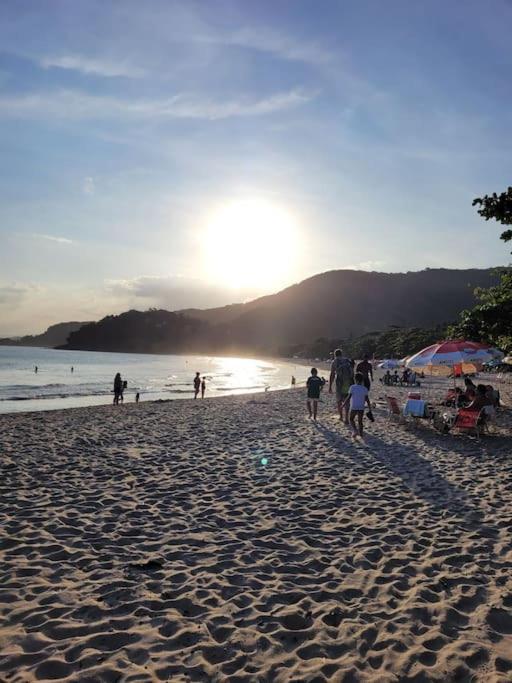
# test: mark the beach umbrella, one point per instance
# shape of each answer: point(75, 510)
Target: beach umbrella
point(389, 364)
point(449, 354)
point(450, 357)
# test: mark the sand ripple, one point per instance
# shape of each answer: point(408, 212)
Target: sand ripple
point(150, 543)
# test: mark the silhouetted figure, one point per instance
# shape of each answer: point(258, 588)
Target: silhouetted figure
point(197, 384)
point(366, 369)
point(314, 386)
point(203, 387)
point(72, 369)
point(125, 384)
point(294, 381)
point(137, 397)
point(118, 388)
point(36, 369)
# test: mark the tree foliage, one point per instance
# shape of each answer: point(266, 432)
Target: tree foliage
point(498, 207)
point(491, 319)
point(396, 342)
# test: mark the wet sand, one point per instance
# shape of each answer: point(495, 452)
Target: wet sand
point(234, 540)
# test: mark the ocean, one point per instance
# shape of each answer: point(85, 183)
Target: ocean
point(153, 376)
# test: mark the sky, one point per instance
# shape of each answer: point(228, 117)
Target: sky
point(176, 154)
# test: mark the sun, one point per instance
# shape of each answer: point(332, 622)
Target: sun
point(251, 243)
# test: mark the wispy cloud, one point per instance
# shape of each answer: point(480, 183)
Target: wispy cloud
point(276, 43)
point(53, 238)
point(174, 292)
point(73, 104)
point(90, 66)
point(13, 294)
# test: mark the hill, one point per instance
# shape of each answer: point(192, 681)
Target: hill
point(348, 303)
point(154, 331)
point(55, 335)
point(335, 305)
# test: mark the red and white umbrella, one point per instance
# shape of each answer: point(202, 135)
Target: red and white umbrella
point(443, 357)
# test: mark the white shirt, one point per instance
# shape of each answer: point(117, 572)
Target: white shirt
point(358, 394)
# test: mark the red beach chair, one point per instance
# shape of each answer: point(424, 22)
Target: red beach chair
point(469, 420)
point(450, 398)
point(394, 411)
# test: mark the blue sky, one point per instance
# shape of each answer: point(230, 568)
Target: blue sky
point(125, 125)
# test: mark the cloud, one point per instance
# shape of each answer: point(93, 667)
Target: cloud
point(88, 186)
point(278, 44)
point(365, 265)
point(89, 66)
point(14, 294)
point(53, 238)
point(175, 292)
point(73, 104)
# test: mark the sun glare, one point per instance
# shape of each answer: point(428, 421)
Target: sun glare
point(251, 244)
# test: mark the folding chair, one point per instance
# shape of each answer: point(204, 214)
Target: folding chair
point(394, 411)
point(450, 398)
point(468, 420)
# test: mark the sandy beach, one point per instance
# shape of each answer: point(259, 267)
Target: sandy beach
point(234, 540)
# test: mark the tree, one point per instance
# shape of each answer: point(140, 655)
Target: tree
point(491, 319)
point(498, 207)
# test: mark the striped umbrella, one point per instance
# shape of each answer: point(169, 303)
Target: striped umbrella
point(442, 358)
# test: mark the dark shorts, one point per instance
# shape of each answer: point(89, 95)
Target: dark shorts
point(313, 396)
point(367, 383)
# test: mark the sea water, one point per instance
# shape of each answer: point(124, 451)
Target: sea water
point(153, 376)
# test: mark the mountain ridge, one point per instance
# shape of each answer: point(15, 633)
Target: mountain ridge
point(334, 304)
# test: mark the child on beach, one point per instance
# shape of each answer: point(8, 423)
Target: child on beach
point(314, 386)
point(358, 397)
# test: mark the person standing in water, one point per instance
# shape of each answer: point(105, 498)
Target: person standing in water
point(118, 388)
point(197, 384)
point(72, 369)
point(36, 369)
point(203, 387)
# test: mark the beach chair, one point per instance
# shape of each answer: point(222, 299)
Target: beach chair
point(394, 411)
point(450, 398)
point(469, 420)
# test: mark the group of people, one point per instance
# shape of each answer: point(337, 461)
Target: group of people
point(352, 385)
point(199, 385)
point(119, 387)
point(408, 378)
point(474, 396)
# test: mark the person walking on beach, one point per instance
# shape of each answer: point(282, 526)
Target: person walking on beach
point(357, 397)
point(314, 387)
point(203, 387)
point(342, 372)
point(118, 388)
point(294, 381)
point(197, 384)
point(366, 369)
